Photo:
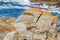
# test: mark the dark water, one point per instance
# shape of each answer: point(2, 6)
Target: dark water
point(14, 12)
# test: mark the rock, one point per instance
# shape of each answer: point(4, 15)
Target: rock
point(6, 26)
point(36, 23)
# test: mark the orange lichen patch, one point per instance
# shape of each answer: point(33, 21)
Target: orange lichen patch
point(11, 28)
point(47, 13)
point(1, 21)
point(7, 29)
point(11, 20)
point(8, 20)
point(36, 10)
point(49, 38)
point(55, 19)
point(4, 19)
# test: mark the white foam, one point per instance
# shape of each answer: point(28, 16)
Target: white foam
point(24, 2)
